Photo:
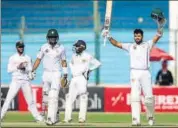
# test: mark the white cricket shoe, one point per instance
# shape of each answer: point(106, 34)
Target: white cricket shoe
point(39, 119)
point(151, 122)
point(49, 122)
point(135, 123)
point(81, 120)
point(57, 118)
point(67, 121)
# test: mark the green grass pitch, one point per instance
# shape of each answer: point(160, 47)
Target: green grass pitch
point(94, 119)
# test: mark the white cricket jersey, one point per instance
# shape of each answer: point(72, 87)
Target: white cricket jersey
point(14, 62)
point(52, 56)
point(80, 64)
point(139, 54)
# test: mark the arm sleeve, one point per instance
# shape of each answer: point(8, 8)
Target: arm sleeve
point(63, 55)
point(40, 54)
point(150, 44)
point(171, 81)
point(126, 46)
point(94, 63)
point(11, 66)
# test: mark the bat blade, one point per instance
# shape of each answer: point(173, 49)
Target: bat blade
point(107, 17)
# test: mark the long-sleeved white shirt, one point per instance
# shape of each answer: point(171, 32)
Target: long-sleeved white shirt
point(52, 56)
point(80, 64)
point(14, 62)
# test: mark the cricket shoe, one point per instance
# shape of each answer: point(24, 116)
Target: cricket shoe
point(57, 118)
point(150, 121)
point(57, 121)
point(81, 120)
point(67, 121)
point(39, 119)
point(49, 122)
point(135, 123)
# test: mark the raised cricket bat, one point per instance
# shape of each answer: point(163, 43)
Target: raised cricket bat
point(107, 17)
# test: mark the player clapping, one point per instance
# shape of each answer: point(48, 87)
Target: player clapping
point(20, 66)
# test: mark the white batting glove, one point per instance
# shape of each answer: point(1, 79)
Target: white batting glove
point(105, 33)
point(31, 75)
point(161, 23)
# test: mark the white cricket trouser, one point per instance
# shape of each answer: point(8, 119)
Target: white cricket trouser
point(51, 85)
point(51, 80)
point(14, 87)
point(78, 86)
point(140, 81)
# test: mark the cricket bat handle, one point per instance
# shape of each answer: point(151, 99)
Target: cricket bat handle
point(105, 39)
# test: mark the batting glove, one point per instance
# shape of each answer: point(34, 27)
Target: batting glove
point(105, 33)
point(31, 75)
point(64, 81)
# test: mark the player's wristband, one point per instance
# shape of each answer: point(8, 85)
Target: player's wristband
point(109, 38)
point(65, 71)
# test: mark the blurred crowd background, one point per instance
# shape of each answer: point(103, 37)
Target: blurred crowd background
point(30, 21)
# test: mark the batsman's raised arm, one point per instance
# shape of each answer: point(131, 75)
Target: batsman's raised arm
point(105, 33)
point(158, 35)
point(158, 16)
point(114, 42)
point(156, 38)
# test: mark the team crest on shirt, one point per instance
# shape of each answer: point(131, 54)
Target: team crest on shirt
point(83, 60)
point(134, 47)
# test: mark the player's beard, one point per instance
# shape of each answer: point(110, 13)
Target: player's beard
point(79, 50)
point(53, 41)
point(20, 51)
point(138, 41)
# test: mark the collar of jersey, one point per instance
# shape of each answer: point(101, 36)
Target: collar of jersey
point(139, 44)
point(78, 54)
point(20, 55)
point(56, 46)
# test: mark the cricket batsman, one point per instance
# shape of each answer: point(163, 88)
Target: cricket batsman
point(54, 62)
point(81, 65)
point(140, 76)
point(20, 66)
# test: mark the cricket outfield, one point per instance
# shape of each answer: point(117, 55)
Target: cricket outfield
point(94, 119)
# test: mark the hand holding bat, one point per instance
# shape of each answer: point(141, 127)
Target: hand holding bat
point(105, 31)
